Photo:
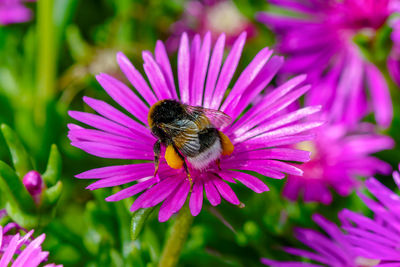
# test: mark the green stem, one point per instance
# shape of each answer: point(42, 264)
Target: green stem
point(46, 69)
point(177, 238)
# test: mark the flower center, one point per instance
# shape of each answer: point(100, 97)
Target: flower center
point(308, 146)
point(225, 17)
point(312, 169)
point(365, 262)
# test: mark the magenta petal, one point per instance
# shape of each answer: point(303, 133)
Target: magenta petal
point(226, 175)
point(393, 68)
point(200, 71)
point(281, 121)
point(380, 96)
point(124, 96)
point(156, 194)
point(174, 202)
point(101, 123)
point(194, 59)
point(165, 65)
point(29, 250)
point(227, 71)
point(248, 75)
point(276, 107)
point(135, 78)
point(184, 68)
point(264, 115)
point(225, 191)
point(156, 77)
point(112, 152)
point(120, 179)
point(396, 177)
point(9, 253)
point(132, 190)
point(268, 138)
point(110, 171)
point(282, 22)
point(256, 167)
point(106, 138)
point(287, 154)
point(115, 115)
point(251, 182)
point(280, 141)
point(211, 192)
point(14, 12)
point(214, 69)
point(269, 99)
point(196, 198)
point(255, 88)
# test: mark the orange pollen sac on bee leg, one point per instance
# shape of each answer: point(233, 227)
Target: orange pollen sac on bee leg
point(227, 146)
point(172, 158)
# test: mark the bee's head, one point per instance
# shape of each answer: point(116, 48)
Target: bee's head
point(165, 111)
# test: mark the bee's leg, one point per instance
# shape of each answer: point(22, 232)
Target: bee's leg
point(188, 175)
point(157, 152)
point(218, 161)
point(227, 146)
point(176, 160)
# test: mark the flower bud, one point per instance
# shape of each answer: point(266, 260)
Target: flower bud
point(34, 184)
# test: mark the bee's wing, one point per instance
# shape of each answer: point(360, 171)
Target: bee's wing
point(184, 133)
point(217, 118)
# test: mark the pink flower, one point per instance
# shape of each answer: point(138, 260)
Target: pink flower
point(319, 41)
point(393, 61)
point(338, 158)
point(17, 250)
point(330, 249)
point(216, 16)
point(259, 135)
point(13, 11)
point(377, 238)
point(34, 184)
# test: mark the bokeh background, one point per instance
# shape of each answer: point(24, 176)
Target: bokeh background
point(49, 63)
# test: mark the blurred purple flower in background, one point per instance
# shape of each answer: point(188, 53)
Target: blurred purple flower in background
point(17, 250)
point(318, 38)
point(14, 11)
point(216, 16)
point(361, 241)
point(333, 249)
point(338, 157)
point(393, 61)
point(377, 238)
point(260, 136)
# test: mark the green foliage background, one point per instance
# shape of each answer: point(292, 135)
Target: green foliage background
point(48, 64)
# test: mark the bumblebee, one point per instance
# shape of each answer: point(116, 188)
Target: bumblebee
point(189, 134)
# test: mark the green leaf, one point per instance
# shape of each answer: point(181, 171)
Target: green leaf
point(138, 220)
point(80, 50)
point(63, 12)
point(16, 189)
point(20, 157)
point(52, 195)
point(150, 239)
point(26, 220)
point(54, 165)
